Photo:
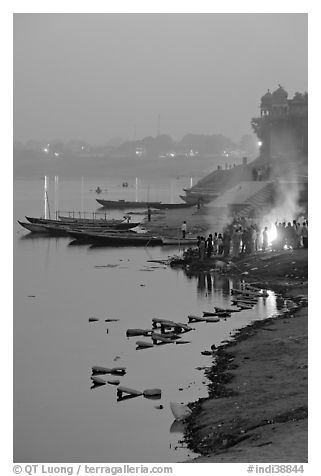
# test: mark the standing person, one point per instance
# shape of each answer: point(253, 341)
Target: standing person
point(298, 235)
point(209, 247)
point(184, 229)
point(215, 243)
point(198, 246)
point(220, 244)
point(149, 213)
point(202, 248)
point(226, 243)
point(283, 235)
point(251, 239)
point(304, 234)
point(256, 238)
point(265, 239)
point(236, 239)
point(244, 237)
point(290, 235)
point(276, 241)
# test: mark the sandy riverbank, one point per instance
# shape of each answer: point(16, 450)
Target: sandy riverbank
point(257, 410)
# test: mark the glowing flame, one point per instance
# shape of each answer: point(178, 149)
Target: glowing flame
point(272, 233)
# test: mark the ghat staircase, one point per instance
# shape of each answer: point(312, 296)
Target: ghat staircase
point(247, 197)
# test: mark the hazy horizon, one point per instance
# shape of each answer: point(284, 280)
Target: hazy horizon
point(99, 76)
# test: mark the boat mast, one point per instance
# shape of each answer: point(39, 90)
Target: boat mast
point(82, 196)
point(56, 196)
point(45, 196)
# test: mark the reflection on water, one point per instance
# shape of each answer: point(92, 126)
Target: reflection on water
point(57, 417)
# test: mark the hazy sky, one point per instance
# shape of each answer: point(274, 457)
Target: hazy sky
point(96, 76)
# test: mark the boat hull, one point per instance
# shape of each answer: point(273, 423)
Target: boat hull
point(123, 204)
point(43, 228)
point(118, 239)
point(94, 224)
point(170, 206)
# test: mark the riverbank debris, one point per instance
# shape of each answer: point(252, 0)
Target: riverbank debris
point(128, 391)
point(97, 369)
point(159, 337)
point(152, 393)
point(180, 411)
point(228, 310)
point(118, 370)
point(180, 327)
point(142, 344)
point(138, 332)
point(192, 318)
point(98, 380)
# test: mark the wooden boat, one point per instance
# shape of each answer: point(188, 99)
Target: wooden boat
point(124, 204)
point(71, 219)
point(170, 206)
point(43, 228)
point(67, 220)
point(117, 224)
point(120, 239)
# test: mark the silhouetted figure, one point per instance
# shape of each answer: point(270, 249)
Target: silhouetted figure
point(265, 239)
point(290, 235)
point(209, 246)
point(304, 234)
point(226, 243)
point(236, 242)
point(215, 244)
point(202, 248)
point(198, 246)
point(149, 213)
point(220, 244)
point(184, 229)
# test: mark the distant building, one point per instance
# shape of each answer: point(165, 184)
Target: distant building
point(282, 129)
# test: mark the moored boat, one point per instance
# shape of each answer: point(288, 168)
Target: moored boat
point(169, 206)
point(123, 204)
point(43, 228)
point(81, 223)
point(120, 239)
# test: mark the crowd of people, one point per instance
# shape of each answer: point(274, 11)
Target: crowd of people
point(241, 238)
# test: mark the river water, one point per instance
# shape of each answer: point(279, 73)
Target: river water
point(58, 417)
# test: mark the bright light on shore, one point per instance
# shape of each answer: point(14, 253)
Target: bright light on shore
point(259, 143)
point(272, 233)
